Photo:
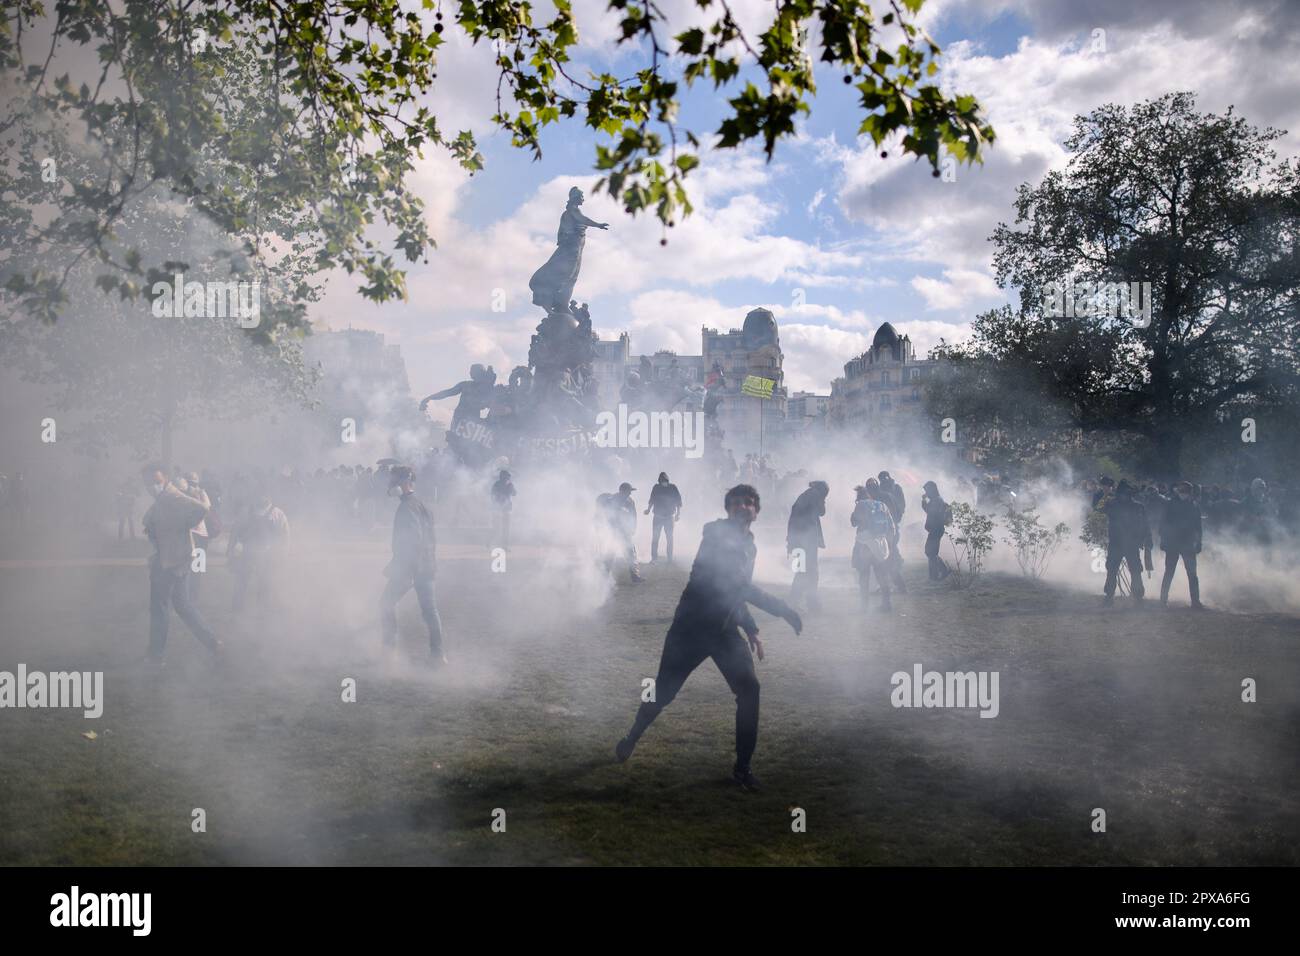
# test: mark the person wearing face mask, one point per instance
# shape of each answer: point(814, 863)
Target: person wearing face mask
point(666, 502)
point(1180, 537)
point(711, 616)
point(169, 524)
point(413, 564)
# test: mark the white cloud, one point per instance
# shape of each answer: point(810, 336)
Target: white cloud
point(958, 289)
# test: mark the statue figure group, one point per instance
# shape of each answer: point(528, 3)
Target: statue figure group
point(557, 393)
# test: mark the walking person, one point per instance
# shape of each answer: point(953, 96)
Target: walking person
point(1127, 535)
point(619, 512)
point(169, 524)
point(803, 538)
point(413, 564)
point(666, 502)
point(872, 541)
point(710, 618)
point(1180, 537)
point(938, 515)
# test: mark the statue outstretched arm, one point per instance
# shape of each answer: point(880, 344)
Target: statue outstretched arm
point(577, 214)
point(445, 393)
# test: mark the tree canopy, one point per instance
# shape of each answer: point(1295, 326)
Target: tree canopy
point(1197, 206)
point(161, 89)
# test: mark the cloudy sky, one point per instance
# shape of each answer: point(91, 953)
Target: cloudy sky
point(829, 236)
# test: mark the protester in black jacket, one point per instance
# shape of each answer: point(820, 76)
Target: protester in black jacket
point(413, 564)
point(710, 616)
point(936, 517)
point(1127, 534)
point(666, 502)
point(1180, 537)
point(803, 538)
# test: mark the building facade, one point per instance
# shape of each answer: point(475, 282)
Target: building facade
point(881, 388)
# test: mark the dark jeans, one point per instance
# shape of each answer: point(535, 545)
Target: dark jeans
point(664, 524)
point(806, 581)
point(394, 592)
point(938, 567)
point(172, 588)
point(1189, 565)
point(1134, 560)
point(685, 651)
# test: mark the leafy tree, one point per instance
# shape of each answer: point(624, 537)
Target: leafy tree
point(1197, 206)
point(345, 85)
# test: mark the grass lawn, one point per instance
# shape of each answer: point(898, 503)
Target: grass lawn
point(1138, 712)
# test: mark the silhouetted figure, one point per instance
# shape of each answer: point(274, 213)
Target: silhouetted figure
point(666, 502)
point(619, 511)
point(937, 517)
point(1127, 534)
point(1180, 537)
point(169, 523)
point(503, 493)
point(804, 534)
point(413, 565)
point(708, 623)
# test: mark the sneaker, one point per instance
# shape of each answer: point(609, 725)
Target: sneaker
point(746, 781)
point(436, 660)
point(1109, 601)
point(623, 749)
point(1198, 606)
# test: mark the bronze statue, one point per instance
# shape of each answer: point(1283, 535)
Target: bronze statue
point(475, 394)
point(553, 283)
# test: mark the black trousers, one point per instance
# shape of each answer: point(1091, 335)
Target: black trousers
point(397, 587)
point(1189, 564)
point(683, 652)
point(1134, 561)
point(664, 524)
point(172, 589)
point(938, 567)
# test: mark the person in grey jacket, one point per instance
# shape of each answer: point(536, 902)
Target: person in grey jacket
point(413, 564)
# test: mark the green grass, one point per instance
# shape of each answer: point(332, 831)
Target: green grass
point(1137, 712)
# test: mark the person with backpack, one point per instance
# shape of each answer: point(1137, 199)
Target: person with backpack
point(891, 493)
point(619, 512)
point(873, 537)
point(938, 515)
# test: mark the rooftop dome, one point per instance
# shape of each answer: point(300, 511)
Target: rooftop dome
point(885, 335)
point(759, 329)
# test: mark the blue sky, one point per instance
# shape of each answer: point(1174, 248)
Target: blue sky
point(856, 239)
